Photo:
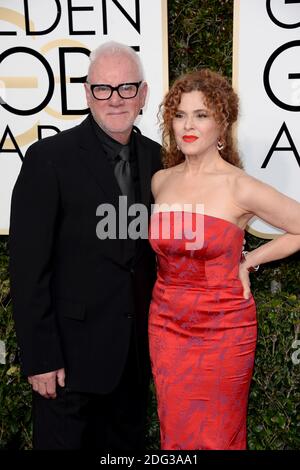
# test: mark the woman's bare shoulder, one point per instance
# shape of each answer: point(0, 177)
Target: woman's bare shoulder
point(160, 177)
point(244, 182)
point(237, 177)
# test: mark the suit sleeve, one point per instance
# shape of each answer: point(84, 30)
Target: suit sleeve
point(157, 159)
point(34, 217)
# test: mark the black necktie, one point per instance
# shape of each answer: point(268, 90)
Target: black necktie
point(123, 174)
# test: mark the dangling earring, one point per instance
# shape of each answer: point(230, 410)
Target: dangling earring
point(177, 147)
point(220, 145)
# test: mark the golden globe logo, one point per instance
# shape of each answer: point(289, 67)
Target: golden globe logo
point(52, 78)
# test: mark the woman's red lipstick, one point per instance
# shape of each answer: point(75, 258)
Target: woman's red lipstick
point(189, 138)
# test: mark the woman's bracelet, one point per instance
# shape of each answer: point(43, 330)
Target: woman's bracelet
point(251, 269)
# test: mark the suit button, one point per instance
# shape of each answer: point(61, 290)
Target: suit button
point(132, 271)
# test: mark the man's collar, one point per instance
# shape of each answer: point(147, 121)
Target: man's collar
point(106, 139)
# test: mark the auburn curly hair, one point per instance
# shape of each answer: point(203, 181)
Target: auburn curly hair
point(220, 99)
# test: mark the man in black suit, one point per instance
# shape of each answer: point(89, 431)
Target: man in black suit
point(81, 302)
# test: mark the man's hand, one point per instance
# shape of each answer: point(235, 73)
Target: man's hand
point(45, 384)
point(245, 280)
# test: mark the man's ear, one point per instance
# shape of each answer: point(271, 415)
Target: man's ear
point(87, 93)
point(143, 93)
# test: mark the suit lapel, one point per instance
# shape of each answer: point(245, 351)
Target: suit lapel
point(144, 164)
point(95, 160)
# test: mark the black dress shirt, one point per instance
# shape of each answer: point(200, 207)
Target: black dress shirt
point(112, 148)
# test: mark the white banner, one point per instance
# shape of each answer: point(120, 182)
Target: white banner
point(44, 49)
point(266, 76)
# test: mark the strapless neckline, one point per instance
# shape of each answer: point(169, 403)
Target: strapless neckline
point(204, 215)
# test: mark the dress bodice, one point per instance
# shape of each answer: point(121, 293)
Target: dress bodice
point(195, 248)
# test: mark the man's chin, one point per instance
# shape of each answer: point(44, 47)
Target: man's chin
point(121, 134)
point(123, 126)
point(119, 129)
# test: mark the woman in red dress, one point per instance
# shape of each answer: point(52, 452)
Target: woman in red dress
point(202, 321)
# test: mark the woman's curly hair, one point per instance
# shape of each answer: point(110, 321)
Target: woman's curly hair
point(220, 99)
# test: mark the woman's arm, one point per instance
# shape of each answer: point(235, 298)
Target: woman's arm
point(263, 201)
point(276, 209)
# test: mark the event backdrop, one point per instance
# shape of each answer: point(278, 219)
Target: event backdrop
point(44, 56)
point(266, 73)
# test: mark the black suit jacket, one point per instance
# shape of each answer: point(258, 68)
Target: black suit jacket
point(75, 302)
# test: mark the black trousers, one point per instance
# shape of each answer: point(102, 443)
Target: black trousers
point(112, 422)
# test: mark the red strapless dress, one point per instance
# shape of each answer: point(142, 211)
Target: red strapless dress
point(202, 333)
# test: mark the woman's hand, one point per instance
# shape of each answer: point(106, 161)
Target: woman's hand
point(245, 280)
